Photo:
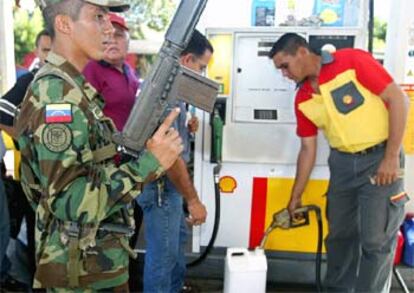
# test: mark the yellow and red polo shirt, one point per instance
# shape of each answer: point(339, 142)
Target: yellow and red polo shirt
point(348, 108)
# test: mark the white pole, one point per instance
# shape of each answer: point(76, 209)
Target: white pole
point(397, 39)
point(7, 65)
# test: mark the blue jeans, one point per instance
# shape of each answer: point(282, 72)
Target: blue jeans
point(4, 228)
point(165, 235)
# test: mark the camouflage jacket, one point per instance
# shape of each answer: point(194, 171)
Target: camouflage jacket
point(73, 187)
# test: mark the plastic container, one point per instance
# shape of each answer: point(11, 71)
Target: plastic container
point(245, 271)
point(399, 248)
point(408, 255)
point(263, 12)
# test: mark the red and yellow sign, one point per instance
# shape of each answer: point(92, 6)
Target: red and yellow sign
point(271, 195)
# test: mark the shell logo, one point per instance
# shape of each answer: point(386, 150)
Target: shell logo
point(348, 100)
point(227, 184)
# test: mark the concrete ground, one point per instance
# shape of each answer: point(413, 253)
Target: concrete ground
point(204, 279)
point(215, 285)
point(208, 277)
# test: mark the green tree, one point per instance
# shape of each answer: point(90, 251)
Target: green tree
point(380, 34)
point(26, 26)
point(380, 29)
point(145, 16)
point(153, 14)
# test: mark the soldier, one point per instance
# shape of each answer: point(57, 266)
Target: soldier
point(67, 157)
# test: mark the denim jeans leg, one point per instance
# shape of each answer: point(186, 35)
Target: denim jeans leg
point(178, 273)
point(162, 217)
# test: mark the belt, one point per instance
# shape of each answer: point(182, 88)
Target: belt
point(367, 150)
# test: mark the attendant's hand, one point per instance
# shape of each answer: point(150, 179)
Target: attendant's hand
point(294, 203)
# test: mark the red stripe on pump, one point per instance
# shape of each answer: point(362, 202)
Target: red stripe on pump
point(258, 213)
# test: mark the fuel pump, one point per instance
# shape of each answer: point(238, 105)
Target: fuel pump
point(217, 124)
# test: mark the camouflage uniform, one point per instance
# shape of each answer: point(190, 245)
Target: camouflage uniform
point(69, 175)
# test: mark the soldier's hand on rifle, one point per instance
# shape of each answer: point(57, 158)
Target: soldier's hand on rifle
point(193, 124)
point(198, 212)
point(166, 144)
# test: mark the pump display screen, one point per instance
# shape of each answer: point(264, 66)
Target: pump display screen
point(265, 114)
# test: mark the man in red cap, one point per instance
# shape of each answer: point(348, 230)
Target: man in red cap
point(112, 77)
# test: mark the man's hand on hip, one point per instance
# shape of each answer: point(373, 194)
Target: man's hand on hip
point(198, 212)
point(388, 171)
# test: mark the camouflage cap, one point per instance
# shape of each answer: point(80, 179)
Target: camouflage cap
point(113, 5)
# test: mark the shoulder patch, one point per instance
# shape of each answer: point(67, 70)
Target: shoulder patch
point(57, 137)
point(58, 113)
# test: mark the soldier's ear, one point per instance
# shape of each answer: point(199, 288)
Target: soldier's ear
point(63, 24)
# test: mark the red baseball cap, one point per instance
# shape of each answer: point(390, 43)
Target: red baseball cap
point(119, 20)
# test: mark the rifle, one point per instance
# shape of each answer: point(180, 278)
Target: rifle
point(167, 82)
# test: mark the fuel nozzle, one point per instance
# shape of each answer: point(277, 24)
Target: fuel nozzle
point(283, 220)
point(217, 136)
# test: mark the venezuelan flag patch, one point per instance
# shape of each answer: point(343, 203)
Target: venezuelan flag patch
point(58, 113)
